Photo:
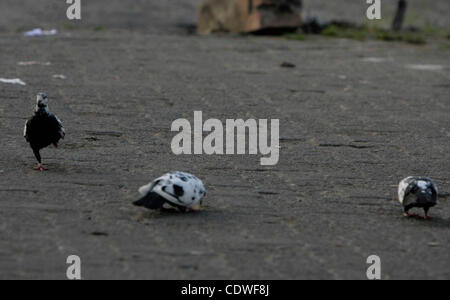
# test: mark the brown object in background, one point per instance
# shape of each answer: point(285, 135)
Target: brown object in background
point(246, 16)
point(397, 24)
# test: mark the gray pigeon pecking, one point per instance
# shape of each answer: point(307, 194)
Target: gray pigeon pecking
point(417, 192)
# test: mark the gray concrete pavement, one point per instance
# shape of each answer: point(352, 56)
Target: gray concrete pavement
point(351, 128)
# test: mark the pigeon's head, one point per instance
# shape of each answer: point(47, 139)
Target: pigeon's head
point(41, 101)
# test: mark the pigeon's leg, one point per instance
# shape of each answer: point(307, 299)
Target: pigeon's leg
point(426, 216)
point(408, 215)
point(40, 167)
point(55, 145)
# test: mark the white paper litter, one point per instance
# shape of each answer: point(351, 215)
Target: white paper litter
point(60, 76)
point(40, 32)
point(12, 81)
point(31, 63)
point(426, 67)
point(375, 60)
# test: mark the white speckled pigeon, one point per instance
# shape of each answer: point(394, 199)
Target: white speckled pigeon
point(179, 190)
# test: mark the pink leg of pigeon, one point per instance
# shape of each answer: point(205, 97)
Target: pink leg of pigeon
point(426, 217)
point(408, 215)
point(41, 168)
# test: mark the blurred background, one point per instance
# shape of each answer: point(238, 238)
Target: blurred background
point(168, 16)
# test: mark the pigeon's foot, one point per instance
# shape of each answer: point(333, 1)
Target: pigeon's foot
point(41, 168)
point(426, 211)
point(408, 215)
point(55, 145)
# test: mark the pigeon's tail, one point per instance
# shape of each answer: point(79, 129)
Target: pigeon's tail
point(151, 201)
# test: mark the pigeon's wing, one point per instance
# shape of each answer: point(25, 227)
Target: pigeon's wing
point(435, 191)
point(401, 190)
point(61, 130)
point(435, 188)
point(404, 188)
point(431, 184)
point(25, 131)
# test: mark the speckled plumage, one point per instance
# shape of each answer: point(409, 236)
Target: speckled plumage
point(178, 189)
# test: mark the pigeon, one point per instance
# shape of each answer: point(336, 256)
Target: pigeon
point(174, 190)
point(420, 192)
point(43, 129)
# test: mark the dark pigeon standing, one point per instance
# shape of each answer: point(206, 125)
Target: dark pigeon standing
point(43, 129)
point(420, 192)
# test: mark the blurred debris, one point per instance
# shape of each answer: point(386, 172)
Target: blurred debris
point(60, 76)
point(312, 26)
point(40, 32)
point(375, 60)
point(425, 67)
point(287, 65)
point(249, 16)
point(397, 24)
point(315, 26)
point(349, 30)
point(12, 81)
point(99, 233)
point(188, 28)
point(31, 63)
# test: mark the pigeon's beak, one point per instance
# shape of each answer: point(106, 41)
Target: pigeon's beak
point(196, 207)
